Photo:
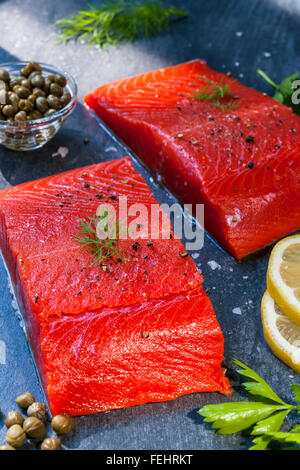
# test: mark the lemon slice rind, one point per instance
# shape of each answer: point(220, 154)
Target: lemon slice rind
point(281, 347)
point(282, 294)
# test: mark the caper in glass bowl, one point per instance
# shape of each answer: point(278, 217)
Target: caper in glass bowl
point(35, 100)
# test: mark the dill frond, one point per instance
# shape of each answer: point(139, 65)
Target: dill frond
point(99, 248)
point(117, 21)
point(218, 94)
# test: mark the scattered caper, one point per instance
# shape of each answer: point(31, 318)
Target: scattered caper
point(37, 409)
point(7, 447)
point(41, 104)
point(21, 116)
point(51, 443)
point(13, 417)
point(34, 427)
point(4, 75)
point(8, 110)
point(25, 400)
point(16, 436)
point(63, 423)
point(54, 102)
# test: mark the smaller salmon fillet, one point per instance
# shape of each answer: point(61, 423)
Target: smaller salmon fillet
point(110, 336)
point(243, 163)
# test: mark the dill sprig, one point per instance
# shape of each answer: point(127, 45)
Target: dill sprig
point(118, 20)
point(99, 247)
point(218, 94)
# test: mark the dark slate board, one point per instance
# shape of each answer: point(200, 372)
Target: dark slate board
point(232, 35)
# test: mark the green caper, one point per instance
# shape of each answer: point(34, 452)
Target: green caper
point(21, 116)
point(63, 423)
point(21, 91)
point(37, 81)
point(46, 86)
point(14, 81)
point(65, 99)
point(25, 400)
point(54, 102)
point(35, 114)
point(56, 90)
point(13, 417)
point(34, 427)
point(4, 75)
point(50, 112)
point(60, 80)
point(8, 110)
point(38, 92)
point(26, 83)
point(7, 447)
point(32, 98)
point(51, 443)
point(41, 104)
point(25, 105)
point(16, 436)
point(35, 72)
point(29, 68)
point(37, 409)
point(51, 77)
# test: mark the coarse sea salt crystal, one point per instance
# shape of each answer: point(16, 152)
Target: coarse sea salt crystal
point(237, 311)
point(213, 265)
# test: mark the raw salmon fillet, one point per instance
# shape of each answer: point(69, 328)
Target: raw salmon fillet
point(110, 336)
point(242, 163)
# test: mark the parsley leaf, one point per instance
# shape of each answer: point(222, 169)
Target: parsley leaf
point(284, 91)
point(263, 417)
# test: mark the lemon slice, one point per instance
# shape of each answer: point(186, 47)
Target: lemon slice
point(283, 277)
point(281, 334)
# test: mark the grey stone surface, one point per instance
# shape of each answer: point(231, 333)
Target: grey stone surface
point(235, 35)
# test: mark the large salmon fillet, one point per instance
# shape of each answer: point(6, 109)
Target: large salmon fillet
point(242, 163)
point(113, 335)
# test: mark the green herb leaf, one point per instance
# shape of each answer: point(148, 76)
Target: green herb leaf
point(217, 94)
point(284, 91)
point(229, 418)
point(257, 386)
point(99, 248)
point(284, 436)
point(270, 424)
point(265, 416)
point(117, 21)
point(296, 391)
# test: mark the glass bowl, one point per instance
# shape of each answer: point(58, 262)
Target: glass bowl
point(31, 135)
